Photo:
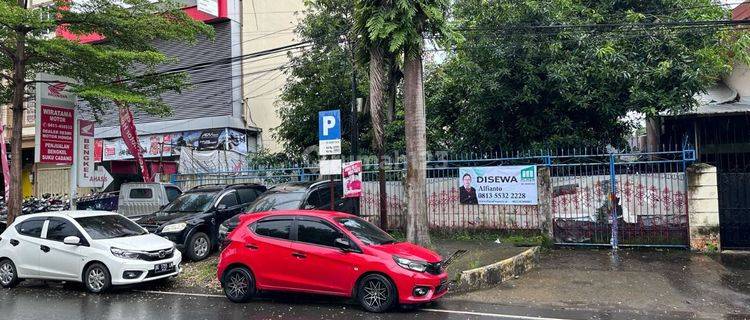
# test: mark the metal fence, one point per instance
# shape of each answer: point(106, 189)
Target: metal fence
point(650, 189)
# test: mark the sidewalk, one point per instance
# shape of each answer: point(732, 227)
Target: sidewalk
point(675, 283)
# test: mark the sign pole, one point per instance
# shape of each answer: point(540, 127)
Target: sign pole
point(74, 165)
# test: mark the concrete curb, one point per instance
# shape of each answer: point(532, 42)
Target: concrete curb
point(493, 274)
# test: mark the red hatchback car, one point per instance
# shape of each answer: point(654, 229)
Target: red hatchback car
point(329, 253)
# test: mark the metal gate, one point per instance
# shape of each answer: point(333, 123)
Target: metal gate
point(734, 213)
point(648, 192)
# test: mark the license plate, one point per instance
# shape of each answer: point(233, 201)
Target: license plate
point(163, 267)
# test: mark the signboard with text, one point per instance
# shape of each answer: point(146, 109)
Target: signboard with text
point(329, 132)
point(503, 185)
point(55, 110)
point(352, 178)
point(86, 158)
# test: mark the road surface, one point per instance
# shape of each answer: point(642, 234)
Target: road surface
point(40, 301)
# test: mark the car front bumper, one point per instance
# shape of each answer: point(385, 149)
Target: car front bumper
point(406, 282)
point(146, 269)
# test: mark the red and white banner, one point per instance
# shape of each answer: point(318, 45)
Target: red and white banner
point(130, 137)
point(352, 179)
point(86, 154)
point(4, 160)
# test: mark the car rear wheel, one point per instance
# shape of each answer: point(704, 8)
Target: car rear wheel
point(199, 246)
point(97, 278)
point(376, 293)
point(238, 284)
point(8, 274)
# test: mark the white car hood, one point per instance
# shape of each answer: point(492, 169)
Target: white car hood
point(146, 242)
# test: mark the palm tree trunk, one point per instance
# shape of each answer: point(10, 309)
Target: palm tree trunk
point(417, 229)
point(378, 81)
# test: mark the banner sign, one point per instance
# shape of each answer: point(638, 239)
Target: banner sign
point(55, 109)
point(352, 179)
point(329, 132)
point(209, 6)
point(4, 161)
point(503, 185)
point(86, 154)
point(170, 144)
point(130, 138)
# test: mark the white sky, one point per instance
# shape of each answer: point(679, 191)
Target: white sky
point(731, 3)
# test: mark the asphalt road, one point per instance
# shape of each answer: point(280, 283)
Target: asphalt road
point(39, 301)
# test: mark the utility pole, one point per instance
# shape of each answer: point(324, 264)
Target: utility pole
point(354, 127)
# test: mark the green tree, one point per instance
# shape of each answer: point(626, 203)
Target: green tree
point(522, 79)
point(122, 69)
point(319, 77)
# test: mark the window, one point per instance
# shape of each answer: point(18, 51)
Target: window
point(277, 228)
point(316, 232)
point(172, 193)
point(229, 200)
point(31, 228)
point(198, 201)
point(58, 229)
point(365, 231)
point(277, 200)
point(247, 195)
point(141, 193)
point(110, 227)
point(320, 198)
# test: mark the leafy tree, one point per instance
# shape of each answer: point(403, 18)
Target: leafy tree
point(320, 77)
point(121, 69)
point(522, 79)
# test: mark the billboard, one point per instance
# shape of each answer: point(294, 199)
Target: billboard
point(55, 109)
point(503, 185)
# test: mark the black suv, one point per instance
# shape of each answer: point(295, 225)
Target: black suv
point(192, 220)
point(295, 196)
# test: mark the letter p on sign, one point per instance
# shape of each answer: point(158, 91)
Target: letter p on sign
point(329, 125)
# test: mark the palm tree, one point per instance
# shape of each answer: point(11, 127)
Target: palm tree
point(398, 26)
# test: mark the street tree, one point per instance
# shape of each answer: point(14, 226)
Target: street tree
point(566, 74)
point(399, 26)
point(122, 67)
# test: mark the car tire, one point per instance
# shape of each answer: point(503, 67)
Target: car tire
point(199, 246)
point(97, 278)
point(8, 274)
point(238, 284)
point(376, 293)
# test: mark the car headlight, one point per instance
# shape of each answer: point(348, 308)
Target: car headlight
point(177, 227)
point(125, 254)
point(413, 265)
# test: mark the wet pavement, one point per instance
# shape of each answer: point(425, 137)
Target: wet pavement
point(37, 301)
point(669, 282)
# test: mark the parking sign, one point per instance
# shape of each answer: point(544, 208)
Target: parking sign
point(329, 132)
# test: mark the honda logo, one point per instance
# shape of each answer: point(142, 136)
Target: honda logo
point(56, 90)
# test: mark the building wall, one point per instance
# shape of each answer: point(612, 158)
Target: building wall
point(703, 208)
point(266, 24)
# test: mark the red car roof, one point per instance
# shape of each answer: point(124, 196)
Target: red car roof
point(310, 213)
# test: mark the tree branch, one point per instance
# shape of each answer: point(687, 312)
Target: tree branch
point(8, 51)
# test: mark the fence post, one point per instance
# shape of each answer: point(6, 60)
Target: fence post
point(613, 201)
point(544, 189)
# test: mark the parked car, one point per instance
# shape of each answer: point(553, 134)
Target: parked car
point(327, 252)
point(140, 198)
point(98, 248)
point(294, 195)
point(192, 220)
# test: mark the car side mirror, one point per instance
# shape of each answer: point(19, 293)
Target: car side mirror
point(72, 240)
point(221, 206)
point(344, 244)
point(309, 207)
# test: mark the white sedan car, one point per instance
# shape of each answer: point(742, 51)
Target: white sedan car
point(100, 249)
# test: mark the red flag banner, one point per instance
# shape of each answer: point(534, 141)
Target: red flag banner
point(4, 160)
point(130, 137)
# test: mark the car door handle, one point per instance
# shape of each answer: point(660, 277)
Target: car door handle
point(44, 248)
point(299, 255)
point(251, 246)
point(14, 242)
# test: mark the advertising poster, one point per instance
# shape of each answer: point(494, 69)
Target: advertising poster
point(503, 185)
point(86, 154)
point(55, 107)
point(352, 179)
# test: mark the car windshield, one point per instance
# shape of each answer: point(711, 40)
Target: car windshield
point(109, 227)
point(277, 200)
point(366, 232)
point(191, 202)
